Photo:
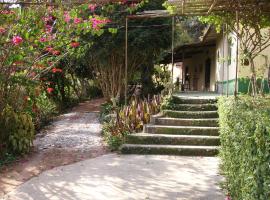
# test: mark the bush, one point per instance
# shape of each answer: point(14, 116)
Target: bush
point(128, 119)
point(245, 146)
point(16, 132)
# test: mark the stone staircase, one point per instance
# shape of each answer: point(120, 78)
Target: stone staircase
point(188, 127)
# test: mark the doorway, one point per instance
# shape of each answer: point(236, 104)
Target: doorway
point(207, 74)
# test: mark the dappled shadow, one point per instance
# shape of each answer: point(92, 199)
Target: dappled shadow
point(128, 177)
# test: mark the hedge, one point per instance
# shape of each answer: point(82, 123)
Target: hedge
point(245, 146)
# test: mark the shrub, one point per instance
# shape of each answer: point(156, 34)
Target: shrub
point(16, 132)
point(128, 119)
point(245, 146)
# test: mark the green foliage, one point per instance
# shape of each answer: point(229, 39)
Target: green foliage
point(16, 133)
point(46, 110)
point(245, 146)
point(167, 103)
point(105, 112)
point(7, 159)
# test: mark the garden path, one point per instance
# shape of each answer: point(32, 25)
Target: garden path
point(72, 137)
point(127, 177)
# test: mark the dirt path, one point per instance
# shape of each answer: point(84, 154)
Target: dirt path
point(72, 137)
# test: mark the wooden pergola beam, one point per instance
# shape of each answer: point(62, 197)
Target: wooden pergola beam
point(212, 6)
point(78, 2)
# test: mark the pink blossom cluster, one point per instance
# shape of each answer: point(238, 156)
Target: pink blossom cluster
point(92, 7)
point(96, 23)
point(77, 20)
point(17, 40)
point(67, 17)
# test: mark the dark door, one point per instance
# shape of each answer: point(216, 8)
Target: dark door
point(207, 73)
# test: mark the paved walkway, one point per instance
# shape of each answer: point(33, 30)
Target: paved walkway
point(128, 177)
point(72, 137)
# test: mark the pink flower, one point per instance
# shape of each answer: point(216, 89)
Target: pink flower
point(50, 90)
point(97, 22)
point(48, 28)
point(92, 7)
point(228, 197)
point(77, 20)
point(47, 19)
point(17, 40)
point(67, 17)
point(42, 39)
point(2, 30)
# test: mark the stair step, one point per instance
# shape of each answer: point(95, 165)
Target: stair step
point(165, 139)
point(191, 107)
point(190, 114)
point(211, 122)
point(181, 130)
point(190, 100)
point(169, 150)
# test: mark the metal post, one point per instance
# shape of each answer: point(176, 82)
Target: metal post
point(173, 23)
point(223, 59)
point(126, 62)
point(237, 52)
point(227, 38)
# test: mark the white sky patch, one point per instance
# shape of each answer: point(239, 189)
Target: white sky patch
point(11, 1)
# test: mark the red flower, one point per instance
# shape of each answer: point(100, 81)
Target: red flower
point(2, 30)
point(7, 12)
point(55, 70)
point(56, 52)
point(17, 40)
point(74, 44)
point(50, 90)
point(26, 98)
point(49, 49)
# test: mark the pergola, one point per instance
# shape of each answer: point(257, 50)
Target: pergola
point(197, 8)
point(205, 7)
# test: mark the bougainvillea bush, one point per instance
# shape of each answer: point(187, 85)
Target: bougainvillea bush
point(245, 146)
point(34, 39)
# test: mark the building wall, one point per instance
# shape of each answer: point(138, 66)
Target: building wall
point(226, 71)
point(196, 69)
point(226, 62)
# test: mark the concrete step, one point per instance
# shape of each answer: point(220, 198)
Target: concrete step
point(165, 139)
point(191, 107)
point(190, 114)
point(181, 130)
point(190, 100)
point(211, 122)
point(169, 150)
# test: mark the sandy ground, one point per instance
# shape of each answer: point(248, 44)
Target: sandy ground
point(72, 137)
point(127, 177)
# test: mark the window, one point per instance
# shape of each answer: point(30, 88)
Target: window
point(230, 44)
